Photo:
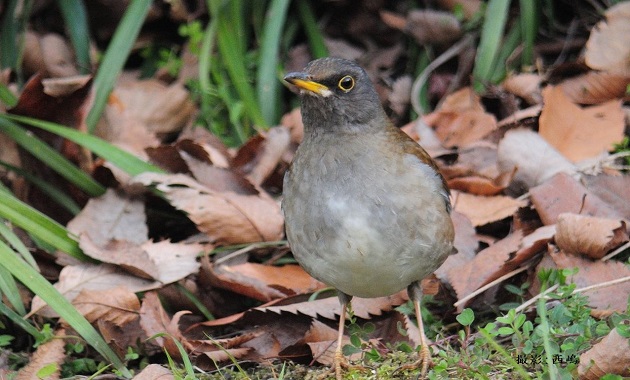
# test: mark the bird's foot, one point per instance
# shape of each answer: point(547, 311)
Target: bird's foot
point(423, 362)
point(340, 363)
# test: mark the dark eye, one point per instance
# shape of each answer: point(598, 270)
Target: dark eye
point(346, 83)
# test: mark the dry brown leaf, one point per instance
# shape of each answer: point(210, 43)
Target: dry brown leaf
point(526, 86)
point(478, 185)
point(590, 236)
point(201, 140)
point(426, 26)
point(580, 133)
point(265, 282)
point(609, 356)
point(532, 157)
point(161, 108)
point(35, 102)
point(75, 278)
point(163, 261)
point(470, 276)
point(461, 119)
point(154, 320)
point(58, 56)
point(607, 48)
point(112, 216)
point(154, 372)
point(293, 121)
point(595, 87)
point(614, 297)
point(482, 210)
point(51, 352)
point(118, 305)
point(563, 194)
point(330, 308)
point(322, 339)
point(612, 189)
point(466, 243)
point(497, 260)
point(227, 217)
point(258, 160)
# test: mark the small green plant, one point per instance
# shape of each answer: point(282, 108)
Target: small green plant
point(359, 335)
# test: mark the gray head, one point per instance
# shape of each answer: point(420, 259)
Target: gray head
point(337, 94)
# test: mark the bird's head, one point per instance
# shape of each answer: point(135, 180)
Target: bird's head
point(337, 93)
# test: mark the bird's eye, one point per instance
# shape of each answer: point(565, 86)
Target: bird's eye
point(346, 83)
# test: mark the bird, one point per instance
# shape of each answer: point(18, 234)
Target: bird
point(366, 209)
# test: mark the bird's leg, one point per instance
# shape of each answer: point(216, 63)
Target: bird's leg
point(415, 294)
point(339, 361)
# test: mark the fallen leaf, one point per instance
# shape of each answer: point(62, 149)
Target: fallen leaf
point(614, 297)
point(227, 218)
point(118, 305)
point(161, 108)
point(595, 87)
point(112, 216)
point(609, 356)
point(532, 158)
point(51, 352)
point(589, 236)
point(526, 86)
point(163, 261)
point(482, 210)
point(35, 102)
point(466, 243)
point(154, 372)
point(607, 48)
point(265, 282)
point(461, 119)
point(154, 321)
point(580, 133)
point(426, 26)
point(75, 278)
point(563, 194)
point(497, 260)
point(258, 157)
point(612, 189)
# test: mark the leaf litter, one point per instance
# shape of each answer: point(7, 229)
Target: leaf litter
point(550, 161)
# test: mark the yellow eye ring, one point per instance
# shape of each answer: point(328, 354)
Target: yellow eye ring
point(346, 83)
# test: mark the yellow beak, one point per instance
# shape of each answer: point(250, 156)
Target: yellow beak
point(302, 81)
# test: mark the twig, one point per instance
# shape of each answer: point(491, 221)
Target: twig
point(443, 58)
point(535, 298)
point(491, 284)
point(602, 285)
point(616, 252)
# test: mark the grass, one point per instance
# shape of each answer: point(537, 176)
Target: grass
point(240, 51)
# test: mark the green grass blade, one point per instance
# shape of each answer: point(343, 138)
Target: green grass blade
point(15, 242)
point(7, 97)
point(234, 60)
point(267, 84)
point(56, 195)
point(8, 36)
point(51, 157)
point(115, 57)
point(121, 158)
point(15, 317)
point(40, 286)
point(314, 35)
point(509, 45)
point(490, 43)
point(529, 28)
point(9, 289)
point(75, 18)
point(39, 225)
